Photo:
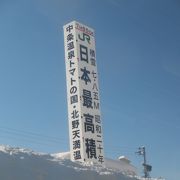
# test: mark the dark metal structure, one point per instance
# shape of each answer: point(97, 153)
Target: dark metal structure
point(147, 168)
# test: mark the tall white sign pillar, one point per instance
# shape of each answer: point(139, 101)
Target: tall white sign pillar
point(85, 124)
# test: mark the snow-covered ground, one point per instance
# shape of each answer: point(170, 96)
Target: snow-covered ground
point(24, 164)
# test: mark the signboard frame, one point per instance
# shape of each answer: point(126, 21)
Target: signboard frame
point(83, 99)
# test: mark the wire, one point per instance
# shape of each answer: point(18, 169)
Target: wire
point(30, 133)
point(41, 139)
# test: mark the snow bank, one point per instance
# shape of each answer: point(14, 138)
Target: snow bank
point(25, 164)
point(114, 165)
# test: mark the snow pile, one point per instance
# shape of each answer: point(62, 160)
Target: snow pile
point(25, 164)
point(114, 165)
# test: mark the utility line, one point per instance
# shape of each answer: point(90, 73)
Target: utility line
point(41, 139)
point(23, 139)
point(30, 134)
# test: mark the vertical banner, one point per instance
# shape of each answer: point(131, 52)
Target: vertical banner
point(85, 127)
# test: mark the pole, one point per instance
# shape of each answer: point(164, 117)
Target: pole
point(147, 168)
point(146, 174)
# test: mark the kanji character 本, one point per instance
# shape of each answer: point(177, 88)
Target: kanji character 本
point(75, 124)
point(88, 124)
point(75, 114)
point(90, 148)
point(85, 75)
point(70, 37)
point(87, 99)
point(74, 99)
point(85, 37)
point(83, 53)
point(76, 133)
point(69, 28)
point(76, 144)
point(77, 155)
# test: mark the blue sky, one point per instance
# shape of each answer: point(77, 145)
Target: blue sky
point(138, 56)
